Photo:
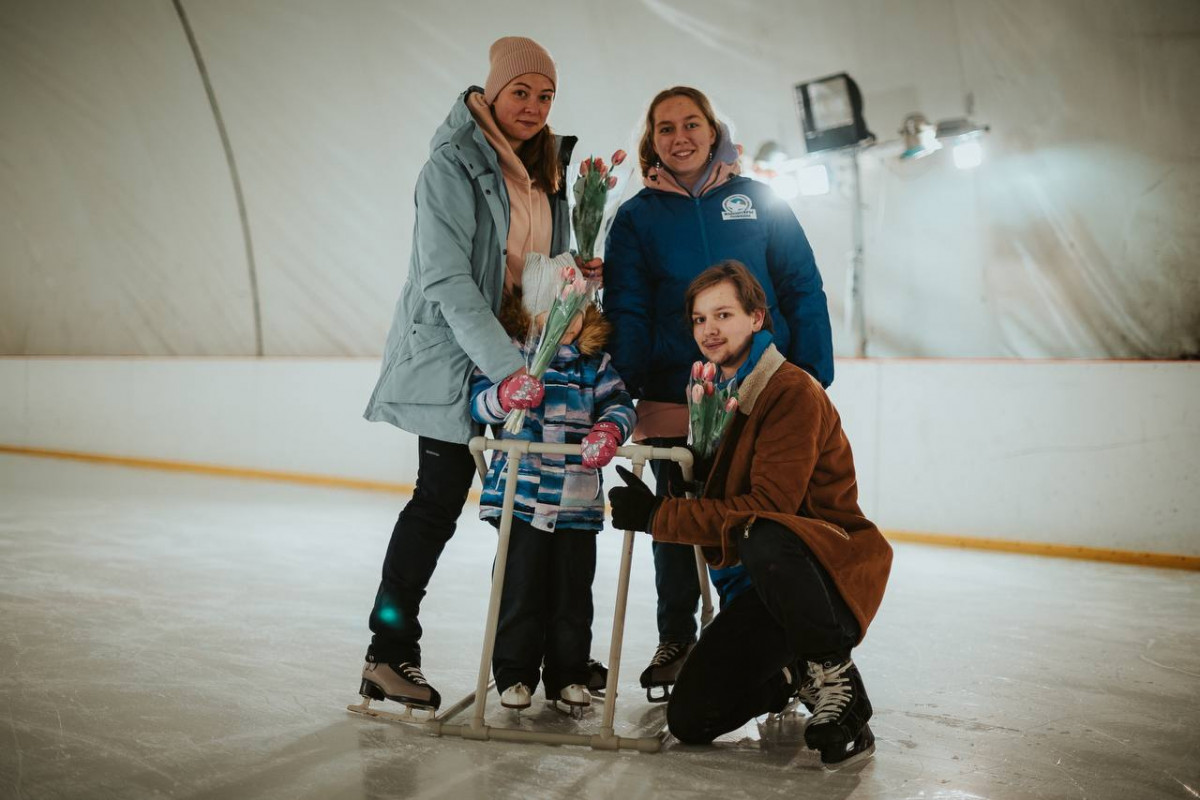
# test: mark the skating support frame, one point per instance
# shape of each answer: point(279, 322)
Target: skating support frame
point(476, 729)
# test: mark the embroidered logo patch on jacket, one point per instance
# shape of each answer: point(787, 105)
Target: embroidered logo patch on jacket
point(738, 206)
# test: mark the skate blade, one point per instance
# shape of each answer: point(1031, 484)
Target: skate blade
point(662, 698)
point(569, 709)
point(867, 738)
point(853, 761)
point(412, 715)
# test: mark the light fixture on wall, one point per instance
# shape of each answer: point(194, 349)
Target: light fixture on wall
point(831, 113)
point(813, 180)
point(789, 177)
point(966, 137)
point(921, 138)
point(831, 116)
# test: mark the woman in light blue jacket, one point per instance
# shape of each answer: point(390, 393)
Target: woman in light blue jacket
point(492, 191)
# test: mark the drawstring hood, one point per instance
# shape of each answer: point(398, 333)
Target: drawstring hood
point(530, 224)
point(724, 165)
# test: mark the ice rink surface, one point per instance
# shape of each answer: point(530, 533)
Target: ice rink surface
point(169, 635)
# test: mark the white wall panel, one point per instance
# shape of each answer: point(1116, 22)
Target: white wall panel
point(1098, 454)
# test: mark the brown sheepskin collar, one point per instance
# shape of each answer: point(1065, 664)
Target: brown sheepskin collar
point(591, 341)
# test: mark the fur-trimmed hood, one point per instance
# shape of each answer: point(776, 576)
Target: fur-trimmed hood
point(516, 320)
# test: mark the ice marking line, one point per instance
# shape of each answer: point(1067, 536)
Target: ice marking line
point(958, 723)
point(1189, 789)
point(1143, 657)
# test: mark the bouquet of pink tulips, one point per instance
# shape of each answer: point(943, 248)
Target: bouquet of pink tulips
point(709, 409)
point(572, 295)
point(591, 194)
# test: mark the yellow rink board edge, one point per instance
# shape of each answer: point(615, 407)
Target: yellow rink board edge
point(1167, 560)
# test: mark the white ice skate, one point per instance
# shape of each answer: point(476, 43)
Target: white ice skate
point(516, 697)
point(573, 700)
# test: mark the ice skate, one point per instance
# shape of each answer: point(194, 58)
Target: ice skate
point(848, 754)
point(516, 697)
point(597, 677)
point(573, 700)
point(803, 690)
point(403, 683)
point(664, 670)
point(838, 727)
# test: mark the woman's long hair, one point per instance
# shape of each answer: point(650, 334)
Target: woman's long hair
point(647, 156)
point(540, 157)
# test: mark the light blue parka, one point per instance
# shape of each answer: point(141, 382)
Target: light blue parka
point(445, 320)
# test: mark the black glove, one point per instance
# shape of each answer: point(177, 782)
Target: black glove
point(633, 504)
point(677, 487)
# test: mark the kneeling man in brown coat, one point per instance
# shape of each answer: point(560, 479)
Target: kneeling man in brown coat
point(799, 569)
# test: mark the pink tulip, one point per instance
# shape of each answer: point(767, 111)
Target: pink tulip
point(583, 168)
point(731, 405)
point(598, 164)
point(567, 274)
point(618, 157)
point(612, 182)
point(697, 393)
point(709, 372)
point(697, 369)
point(708, 389)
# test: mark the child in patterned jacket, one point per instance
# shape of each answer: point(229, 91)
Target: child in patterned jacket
point(545, 620)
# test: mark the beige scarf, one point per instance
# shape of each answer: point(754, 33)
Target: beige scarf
point(530, 225)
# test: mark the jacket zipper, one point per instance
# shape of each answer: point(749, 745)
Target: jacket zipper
point(749, 524)
point(703, 231)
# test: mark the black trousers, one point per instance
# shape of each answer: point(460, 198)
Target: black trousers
point(444, 474)
point(545, 608)
point(793, 612)
point(675, 579)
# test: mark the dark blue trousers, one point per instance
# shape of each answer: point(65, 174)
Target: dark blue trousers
point(675, 579)
point(444, 474)
point(545, 609)
point(792, 612)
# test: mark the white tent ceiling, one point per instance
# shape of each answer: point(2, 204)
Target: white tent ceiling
point(121, 231)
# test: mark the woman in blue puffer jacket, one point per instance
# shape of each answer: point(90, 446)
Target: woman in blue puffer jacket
point(694, 212)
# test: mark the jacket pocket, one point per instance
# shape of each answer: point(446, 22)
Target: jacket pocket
point(429, 367)
point(581, 487)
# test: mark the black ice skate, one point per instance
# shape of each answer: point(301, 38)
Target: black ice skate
point(851, 753)
point(597, 677)
point(402, 683)
point(803, 687)
point(664, 670)
point(838, 727)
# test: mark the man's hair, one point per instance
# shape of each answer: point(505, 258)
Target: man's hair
point(749, 291)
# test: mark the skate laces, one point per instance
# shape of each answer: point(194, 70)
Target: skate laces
point(832, 689)
point(666, 653)
point(802, 684)
point(411, 673)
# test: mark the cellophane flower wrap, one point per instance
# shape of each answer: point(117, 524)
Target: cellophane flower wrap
point(572, 294)
point(709, 409)
point(591, 195)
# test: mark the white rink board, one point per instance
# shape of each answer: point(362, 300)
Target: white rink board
point(1091, 453)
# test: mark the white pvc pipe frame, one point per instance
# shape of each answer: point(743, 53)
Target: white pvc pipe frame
point(607, 738)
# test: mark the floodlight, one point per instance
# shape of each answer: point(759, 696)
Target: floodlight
point(831, 113)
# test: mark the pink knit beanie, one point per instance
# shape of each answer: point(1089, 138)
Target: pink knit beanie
point(512, 56)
